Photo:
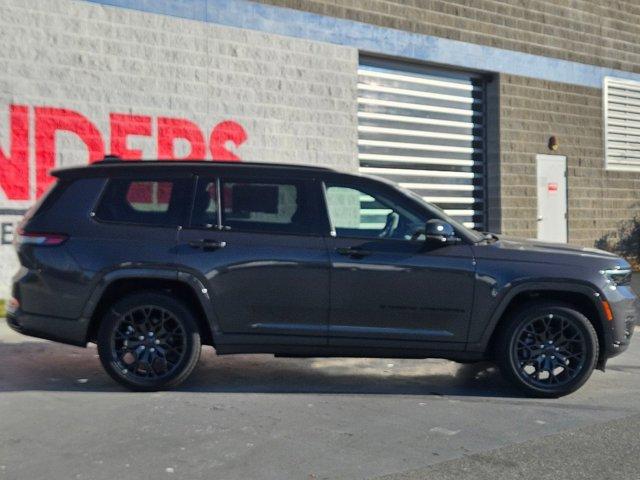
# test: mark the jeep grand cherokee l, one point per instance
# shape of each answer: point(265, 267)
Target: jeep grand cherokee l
point(152, 259)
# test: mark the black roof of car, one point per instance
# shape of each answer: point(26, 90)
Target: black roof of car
point(113, 165)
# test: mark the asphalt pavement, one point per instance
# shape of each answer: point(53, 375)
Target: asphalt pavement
point(258, 417)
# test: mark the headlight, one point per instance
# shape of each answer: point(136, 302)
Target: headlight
point(617, 276)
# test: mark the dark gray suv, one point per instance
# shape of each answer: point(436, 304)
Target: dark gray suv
point(151, 260)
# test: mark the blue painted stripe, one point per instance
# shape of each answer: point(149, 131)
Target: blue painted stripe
point(374, 39)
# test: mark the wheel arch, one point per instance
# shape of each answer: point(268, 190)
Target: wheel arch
point(584, 298)
point(184, 286)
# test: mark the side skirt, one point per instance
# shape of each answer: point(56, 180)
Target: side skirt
point(305, 351)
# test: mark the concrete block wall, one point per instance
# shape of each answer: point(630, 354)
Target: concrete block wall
point(598, 33)
point(600, 202)
point(532, 111)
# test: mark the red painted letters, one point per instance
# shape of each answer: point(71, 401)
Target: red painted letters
point(124, 125)
point(14, 168)
point(169, 129)
point(48, 122)
point(222, 133)
point(14, 159)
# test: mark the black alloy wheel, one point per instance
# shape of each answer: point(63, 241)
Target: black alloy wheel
point(149, 341)
point(548, 350)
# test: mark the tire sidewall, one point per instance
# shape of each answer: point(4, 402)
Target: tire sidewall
point(509, 364)
point(184, 316)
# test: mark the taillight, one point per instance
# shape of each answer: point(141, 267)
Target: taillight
point(32, 238)
point(13, 305)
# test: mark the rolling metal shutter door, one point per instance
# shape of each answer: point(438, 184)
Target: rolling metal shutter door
point(424, 129)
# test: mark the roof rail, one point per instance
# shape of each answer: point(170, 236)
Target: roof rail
point(110, 159)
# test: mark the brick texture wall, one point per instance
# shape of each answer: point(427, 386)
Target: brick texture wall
point(601, 33)
point(532, 111)
point(600, 202)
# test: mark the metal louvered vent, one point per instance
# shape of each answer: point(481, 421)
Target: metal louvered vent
point(622, 124)
point(424, 129)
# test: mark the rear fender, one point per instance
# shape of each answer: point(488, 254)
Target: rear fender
point(186, 278)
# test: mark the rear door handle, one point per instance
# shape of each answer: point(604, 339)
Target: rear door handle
point(207, 244)
point(352, 252)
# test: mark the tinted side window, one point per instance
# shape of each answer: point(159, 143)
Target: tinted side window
point(357, 212)
point(144, 201)
point(269, 206)
point(47, 200)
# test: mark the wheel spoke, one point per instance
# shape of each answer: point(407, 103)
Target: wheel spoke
point(549, 350)
point(148, 342)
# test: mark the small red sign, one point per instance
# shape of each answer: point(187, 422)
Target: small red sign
point(552, 187)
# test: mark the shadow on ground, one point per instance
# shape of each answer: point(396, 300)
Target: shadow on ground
point(46, 366)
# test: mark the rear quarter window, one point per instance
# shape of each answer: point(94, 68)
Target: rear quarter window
point(145, 201)
point(46, 201)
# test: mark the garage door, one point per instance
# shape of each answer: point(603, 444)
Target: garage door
point(424, 129)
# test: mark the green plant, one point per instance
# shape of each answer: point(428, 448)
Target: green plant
point(625, 242)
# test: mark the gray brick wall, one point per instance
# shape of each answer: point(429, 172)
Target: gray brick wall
point(601, 33)
point(600, 201)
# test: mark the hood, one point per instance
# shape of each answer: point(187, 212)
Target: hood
point(521, 249)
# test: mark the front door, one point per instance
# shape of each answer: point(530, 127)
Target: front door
point(262, 257)
point(552, 198)
point(386, 286)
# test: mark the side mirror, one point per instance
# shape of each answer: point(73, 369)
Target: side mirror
point(440, 231)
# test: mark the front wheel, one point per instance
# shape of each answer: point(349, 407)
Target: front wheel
point(149, 341)
point(547, 349)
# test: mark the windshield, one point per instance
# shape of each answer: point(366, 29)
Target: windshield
point(473, 234)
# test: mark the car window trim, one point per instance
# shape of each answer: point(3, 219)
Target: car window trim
point(325, 204)
point(189, 225)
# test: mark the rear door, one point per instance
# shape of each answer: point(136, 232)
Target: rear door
point(258, 245)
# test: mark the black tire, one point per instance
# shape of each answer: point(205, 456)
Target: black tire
point(167, 354)
point(525, 355)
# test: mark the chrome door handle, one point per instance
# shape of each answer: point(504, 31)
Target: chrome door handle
point(207, 244)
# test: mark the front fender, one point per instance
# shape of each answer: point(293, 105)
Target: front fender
point(481, 342)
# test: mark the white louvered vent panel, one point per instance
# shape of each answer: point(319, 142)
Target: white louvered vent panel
point(424, 130)
point(622, 124)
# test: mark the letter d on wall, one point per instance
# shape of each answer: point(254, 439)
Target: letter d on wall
point(48, 122)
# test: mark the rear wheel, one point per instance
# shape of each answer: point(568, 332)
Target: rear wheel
point(149, 341)
point(547, 349)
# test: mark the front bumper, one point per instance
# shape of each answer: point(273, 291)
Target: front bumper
point(73, 332)
point(625, 307)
